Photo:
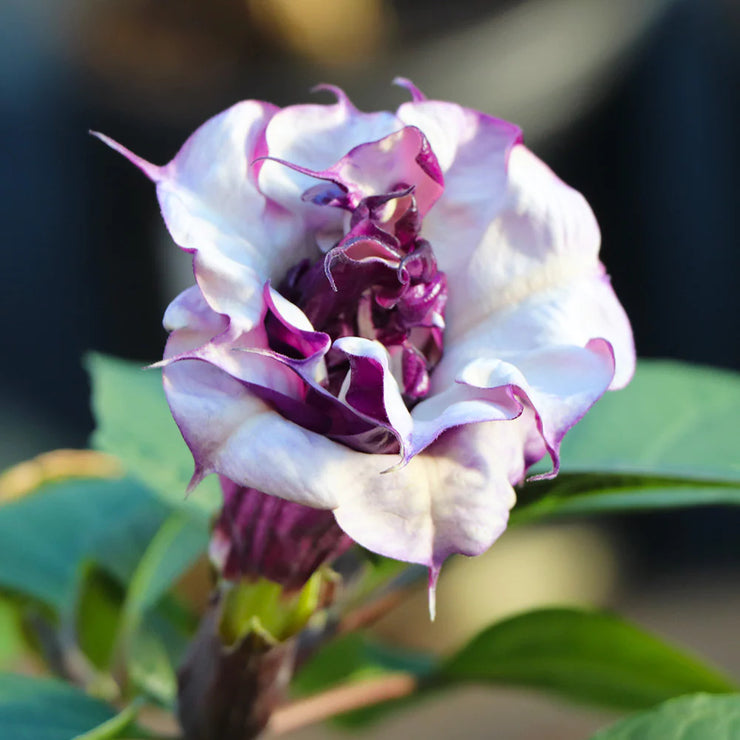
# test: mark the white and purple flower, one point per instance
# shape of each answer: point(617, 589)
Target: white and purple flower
point(395, 315)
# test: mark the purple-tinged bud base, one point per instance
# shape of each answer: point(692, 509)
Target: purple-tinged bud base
point(262, 536)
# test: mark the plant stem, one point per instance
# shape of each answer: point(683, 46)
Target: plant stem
point(341, 699)
point(368, 614)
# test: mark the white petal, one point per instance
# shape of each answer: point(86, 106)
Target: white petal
point(212, 207)
point(452, 130)
point(570, 314)
point(454, 498)
point(315, 137)
point(191, 321)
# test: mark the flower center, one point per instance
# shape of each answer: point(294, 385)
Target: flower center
point(380, 282)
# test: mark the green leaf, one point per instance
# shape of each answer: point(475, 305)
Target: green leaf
point(134, 423)
point(175, 547)
point(45, 536)
point(354, 657)
point(97, 616)
point(143, 636)
point(665, 441)
point(592, 657)
point(604, 493)
point(12, 641)
point(697, 717)
point(113, 727)
point(588, 656)
point(673, 419)
point(45, 709)
point(151, 668)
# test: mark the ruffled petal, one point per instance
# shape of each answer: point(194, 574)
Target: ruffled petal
point(212, 207)
point(397, 164)
point(468, 400)
point(463, 136)
point(557, 385)
point(507, 228)
point(454, 498)
point(231, 431)
point(327, 133)
point(191, 322)
point(504, 260)
point(570, 314)
point(534, 238)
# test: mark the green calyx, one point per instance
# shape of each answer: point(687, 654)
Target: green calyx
point(262, 607)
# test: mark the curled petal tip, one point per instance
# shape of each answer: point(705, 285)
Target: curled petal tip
point(152, 171)
point(341, 96)
point(542, 476)
point(416, 95)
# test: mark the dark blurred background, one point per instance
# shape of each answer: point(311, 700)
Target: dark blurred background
point(635, 103)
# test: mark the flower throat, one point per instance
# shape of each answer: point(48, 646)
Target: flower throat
point(380, 282)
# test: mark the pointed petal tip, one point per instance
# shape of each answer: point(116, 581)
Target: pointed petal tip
point(198, 474)
point(417, 96)
point(152, 171)
point(434, 571)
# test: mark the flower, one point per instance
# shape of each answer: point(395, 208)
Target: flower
point(395, 315)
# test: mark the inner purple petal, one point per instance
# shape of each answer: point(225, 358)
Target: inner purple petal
point(380, 282)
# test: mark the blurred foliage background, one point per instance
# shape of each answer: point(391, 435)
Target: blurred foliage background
point(636, 104)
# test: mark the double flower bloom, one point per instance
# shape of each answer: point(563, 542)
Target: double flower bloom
point(395, 316)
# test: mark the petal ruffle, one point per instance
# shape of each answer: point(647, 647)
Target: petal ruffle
point(454, 498)
point(327, 133)
point(212, 207)
point(507, 229)
point(401, 161)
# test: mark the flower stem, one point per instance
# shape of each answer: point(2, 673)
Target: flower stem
point(341, 699)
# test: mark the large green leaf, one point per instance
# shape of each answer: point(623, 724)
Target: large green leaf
point(603, 493)
point(589, 656)
point(673, 419)
point(668, 440)
point(45, 536)
point(45, 709)
point(134, 423)
point(592, 657)
point(697, 717)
